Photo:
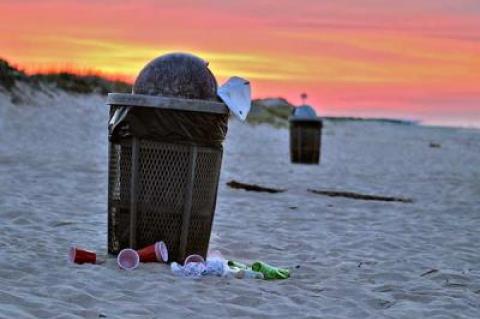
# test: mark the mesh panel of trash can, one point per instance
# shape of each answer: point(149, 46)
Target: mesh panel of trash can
point(173, 193)
point(119, 178)
point(305, 141)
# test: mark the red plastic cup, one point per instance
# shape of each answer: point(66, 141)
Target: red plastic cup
point(194, 259)
point(82, 256)
point(154, 253)
point(128, 259)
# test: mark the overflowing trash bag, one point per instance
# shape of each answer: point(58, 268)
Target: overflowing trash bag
point(180, 75)
point(176, 75)
point(206, 129)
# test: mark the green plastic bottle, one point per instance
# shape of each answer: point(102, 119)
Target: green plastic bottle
point(270, 272)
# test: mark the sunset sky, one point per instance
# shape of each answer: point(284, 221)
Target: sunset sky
point(412, 59)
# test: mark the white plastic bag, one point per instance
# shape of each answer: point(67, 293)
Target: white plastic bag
point(237, 95)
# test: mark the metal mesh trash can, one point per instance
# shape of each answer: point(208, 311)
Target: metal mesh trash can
point(165, 156)
point(305, 140)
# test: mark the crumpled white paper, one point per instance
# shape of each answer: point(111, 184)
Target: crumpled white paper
point(237, 95)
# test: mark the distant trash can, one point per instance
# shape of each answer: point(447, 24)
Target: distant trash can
point(305, 136)
point(165, 156)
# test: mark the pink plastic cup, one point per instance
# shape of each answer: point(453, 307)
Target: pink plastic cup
point(82, 256)
point(128, 259)
point(154, 253)
point(194, 259)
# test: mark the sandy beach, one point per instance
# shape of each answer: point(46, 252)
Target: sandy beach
point(349, 258)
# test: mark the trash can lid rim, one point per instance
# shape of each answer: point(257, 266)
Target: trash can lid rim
point(168, 103)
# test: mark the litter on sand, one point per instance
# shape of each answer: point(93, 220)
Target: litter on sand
point(219, 266)
point(194, 266)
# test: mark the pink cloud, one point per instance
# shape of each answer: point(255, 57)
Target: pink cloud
point(410, 58)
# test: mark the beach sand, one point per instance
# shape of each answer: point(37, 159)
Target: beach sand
point(349, 258)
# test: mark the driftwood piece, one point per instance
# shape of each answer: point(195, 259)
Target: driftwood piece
point(431, 271)
point(358, 196)
point(253, 187)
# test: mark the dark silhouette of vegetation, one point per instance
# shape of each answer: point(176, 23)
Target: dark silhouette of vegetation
point(70, 82)
point(274, 111)
point(82, 83)
point(9, 75)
